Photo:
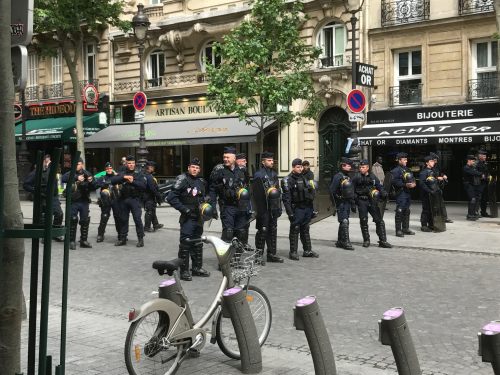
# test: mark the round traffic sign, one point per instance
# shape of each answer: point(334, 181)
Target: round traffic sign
point(18, 112)
point(140, 101)
point(356, 101)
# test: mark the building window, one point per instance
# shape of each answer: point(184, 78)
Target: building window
point(407, 78)
point(154, 2)
point(90, 62)
point(32, 70)
point(156, 68)
point(209, 56)
point(332, 41)
point(484, 83)
point(57, 67)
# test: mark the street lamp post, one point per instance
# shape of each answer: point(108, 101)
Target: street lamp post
point(141, 23)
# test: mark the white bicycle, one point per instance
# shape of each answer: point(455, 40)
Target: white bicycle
point(162, 332)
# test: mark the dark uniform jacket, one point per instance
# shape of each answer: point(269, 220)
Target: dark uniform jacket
point(341, 188)
point(428, 181)
point(152, 193)
point(398, 180)
point(29, 182)
point(363, 184)
point(127, 189)
point(472, 176)
point(482, 166)
point(187, 193)
point(81, 190)
point(298, 192)
point(269, 178)
point(225, 183)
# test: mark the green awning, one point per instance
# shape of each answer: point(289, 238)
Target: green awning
point(58, 128)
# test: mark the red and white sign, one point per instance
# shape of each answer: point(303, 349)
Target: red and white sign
point(356, 101)
point(140, 101)
point(18, 112)
point(90, 98)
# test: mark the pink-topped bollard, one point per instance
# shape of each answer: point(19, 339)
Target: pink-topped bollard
point(489, 345)
point(307, 317)
point(394, 331)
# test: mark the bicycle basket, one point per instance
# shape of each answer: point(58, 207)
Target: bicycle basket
point(245, 262)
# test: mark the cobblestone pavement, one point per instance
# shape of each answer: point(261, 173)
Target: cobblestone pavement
point(448, 296)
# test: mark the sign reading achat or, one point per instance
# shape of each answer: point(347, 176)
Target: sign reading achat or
point(365, 74)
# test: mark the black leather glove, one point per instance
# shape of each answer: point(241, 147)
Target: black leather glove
point(186, 211)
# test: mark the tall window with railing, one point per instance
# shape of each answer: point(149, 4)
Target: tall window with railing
point(407, 87)
point(55, 89)
point(156, 68)
point(484, 82)
point(31, 90)
point(90, 62)
point(332, 39)
point(209, 56)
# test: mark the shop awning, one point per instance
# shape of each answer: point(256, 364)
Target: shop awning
point(469, 123)
point(174, 133)
point(57, 128)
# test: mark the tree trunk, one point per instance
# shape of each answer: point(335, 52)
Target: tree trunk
point(77, 91)
point(12, 251)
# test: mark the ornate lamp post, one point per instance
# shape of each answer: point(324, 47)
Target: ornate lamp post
point(141, 23)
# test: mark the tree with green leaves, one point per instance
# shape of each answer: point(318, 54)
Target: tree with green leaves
point(65, 24)
point(265, 67)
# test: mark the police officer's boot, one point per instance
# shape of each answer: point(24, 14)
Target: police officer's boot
point(140, 241)
point(399, 222)
point(72, 232)
point(117, 224)
point(406, 222)
point(242, 235)
point(382, 236)
point(260, 243)
point(122, 240)
point(197, 261)
point(84, 233)
point(58, 219)
point(363, 222)
point(156, 224)
point(102, 227)
point(305, 238)
point(471, 215)
point(271, 241)
point(227, 235)
point(184, 255)
point(343, 241)
point(293, 236)
point(148, 219)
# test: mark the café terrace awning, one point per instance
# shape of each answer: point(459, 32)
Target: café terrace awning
point(176, 133)
point(57, 128)
point(471, 123)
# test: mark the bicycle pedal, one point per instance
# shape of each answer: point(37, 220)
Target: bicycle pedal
point(193, 353)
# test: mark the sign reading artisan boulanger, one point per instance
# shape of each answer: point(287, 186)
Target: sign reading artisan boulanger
point(188, 109)
point(469, 123)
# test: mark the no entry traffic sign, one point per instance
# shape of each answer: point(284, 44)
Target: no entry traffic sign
point(140, 101)
point(356, 101)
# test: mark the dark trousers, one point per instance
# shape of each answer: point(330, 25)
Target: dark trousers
point(151, 218)
point(302, 216)
point(81, 209)
point(233, 219)
point(483, 188)
point(365, 207)
point(403, 201)
point(426, 215)
point(190, 228)
point(474, 195)
point(127, 206)
point(343, 210)
point(114, 206)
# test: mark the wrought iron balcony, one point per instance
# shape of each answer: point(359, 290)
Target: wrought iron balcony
point(91, 81)
point(331, 61)
point(401, 12)
point(483, 88)
point(123, 87)
point(475, 6)
point(186, 79)
point(154, 11)
point(52, 91)
point(31, 93)
point(405, 95)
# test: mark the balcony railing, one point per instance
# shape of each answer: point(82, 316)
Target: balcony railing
point(31, 93)
point(186, 79)
point(404, 11)
point(483, 88)
point(123, 87)
point(154, 11)
point(475, 6)
point(331, 61)
point(405, 95)
point(52, 91)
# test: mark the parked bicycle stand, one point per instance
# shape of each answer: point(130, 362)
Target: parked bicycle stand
point(394, 331)
point(307, 317)
point(236, 305)
point(42, 228)
point(489, 345)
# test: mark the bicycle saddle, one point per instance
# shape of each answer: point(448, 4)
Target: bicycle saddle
point(167, 267)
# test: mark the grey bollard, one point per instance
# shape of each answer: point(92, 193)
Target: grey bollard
point(394, 331)
point(236, 305)
point(169, 289)
point(307, 317)
point(489, 345)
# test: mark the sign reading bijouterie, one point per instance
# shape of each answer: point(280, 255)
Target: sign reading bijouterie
point(469, 123)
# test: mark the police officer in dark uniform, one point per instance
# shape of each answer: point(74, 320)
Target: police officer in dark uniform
point(80, 199)
point(29, 186)
point(241, 162)
point(368, 191)
point(267, 218)
point(108, 202)
point(402, 182)
point(131, 185)
point(482, 166)
point(152, 197)
point(472, 185)
point(442, 182)
point(298, 197)
point(228, 183)
point(308, 174)
point(188, 196)
point(428, 186)
point(342, 192)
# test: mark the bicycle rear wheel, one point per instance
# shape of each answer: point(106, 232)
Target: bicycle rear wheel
point(146, 351)
point(262, 315)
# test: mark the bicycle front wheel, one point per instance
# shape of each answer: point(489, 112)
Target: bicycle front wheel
point(262, 315)
point(147, 352)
